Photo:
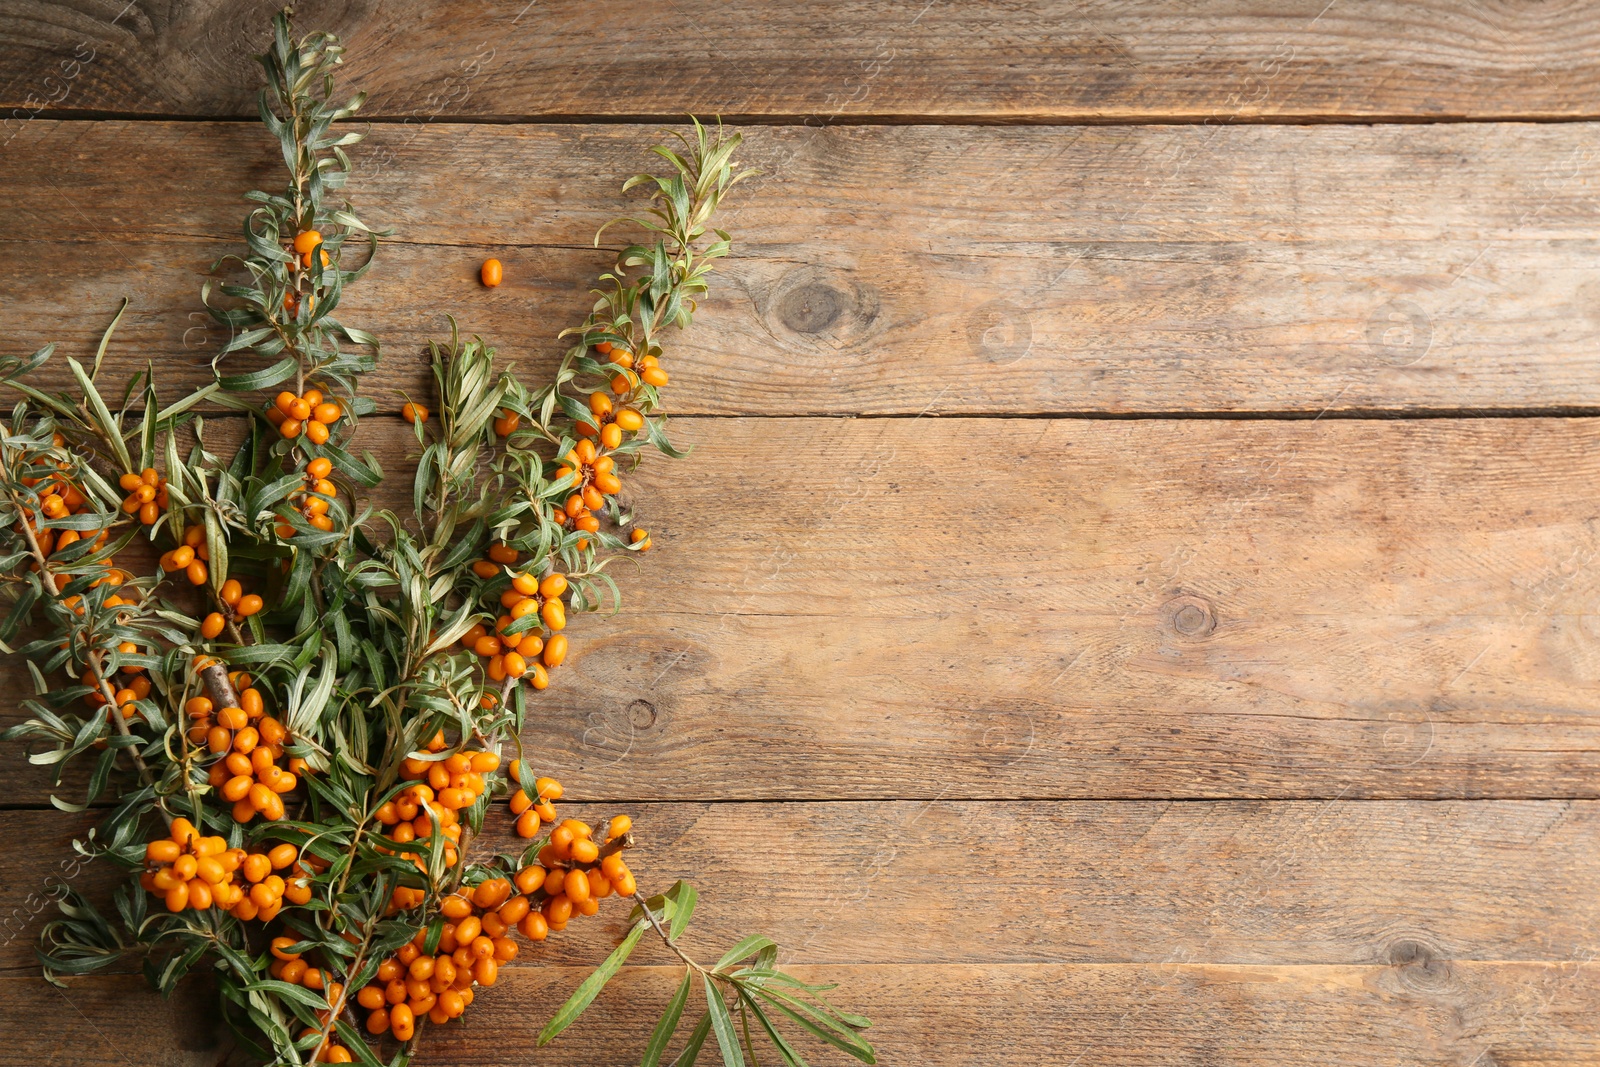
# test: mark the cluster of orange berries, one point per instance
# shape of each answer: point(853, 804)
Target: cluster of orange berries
point(472, 944)
point(596, 475)
point(630, 371)
point(147, 494)
point(610, 421)
point(137, 688)
point(443, 788)
point(58, 498)
point(312, 501)
point(191, 871)
point(250, 743)
point(531, 813)
point(309, 413)
point(513, 655)
point(573, 873)
point(238, 604)
point(475, 938)
point(70, 501)
point(307, 243)
point(287, 966)
point(190, 557)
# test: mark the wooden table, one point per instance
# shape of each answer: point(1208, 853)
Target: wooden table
point(1134, 596)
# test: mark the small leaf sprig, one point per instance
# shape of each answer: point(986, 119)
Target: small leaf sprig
point(312, 694)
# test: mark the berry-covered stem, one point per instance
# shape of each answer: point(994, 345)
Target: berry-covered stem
point(92, 658)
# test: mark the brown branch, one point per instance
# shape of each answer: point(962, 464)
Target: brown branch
point(219, 687)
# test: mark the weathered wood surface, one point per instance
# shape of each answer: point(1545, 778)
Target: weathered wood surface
point(1416, 1011)
point(969, 712)
point(898, 270)
point(862, 60)
point(882, 608)
point(1084, 882)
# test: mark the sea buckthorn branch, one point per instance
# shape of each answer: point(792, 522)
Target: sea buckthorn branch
point(66, 571)
point(287, 308)
point(378, 658)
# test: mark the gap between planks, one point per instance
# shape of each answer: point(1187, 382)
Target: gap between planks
point(816, 121)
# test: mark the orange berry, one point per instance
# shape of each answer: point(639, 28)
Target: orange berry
point(327, 412)
point(317, 433)
point(231, 592)
point(555, 651)
point(414, 413)
point(534, 927)
point(304, 242)
point(289, 428)
point(320, 467)
point(486, 971)
point(248, 605)
point(491, 272)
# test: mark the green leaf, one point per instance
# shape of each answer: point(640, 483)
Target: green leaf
point(110, 429)
point(590, 988)
point(722, 1025)
point(790, 1056)
point(748, 946)
point(668, 1024)
point(105, 338)
point(264, 378)
point(835, 1034)
point(697, 1040)
point(684, 896)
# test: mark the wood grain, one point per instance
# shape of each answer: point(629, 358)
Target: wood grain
point(1088, 882)
point(1414, 1012)
point(969, 608)
point(864, 60)
point(898, 270)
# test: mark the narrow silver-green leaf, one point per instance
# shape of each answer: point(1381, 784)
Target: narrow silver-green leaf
point(668, 1024)
point(590, 987)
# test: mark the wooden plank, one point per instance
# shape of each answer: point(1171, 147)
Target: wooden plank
point(1420, 1012)
point(1138, 882)
point(1071, 608)
point(900, 270)
point(1050, 61)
